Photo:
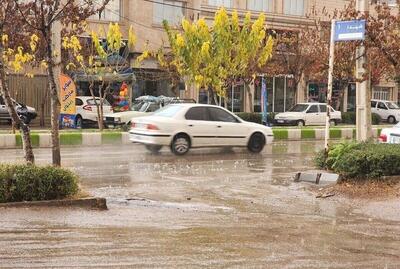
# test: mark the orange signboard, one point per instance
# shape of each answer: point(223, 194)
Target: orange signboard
point(67, 95)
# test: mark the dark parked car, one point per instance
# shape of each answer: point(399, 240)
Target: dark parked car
point(26, 113)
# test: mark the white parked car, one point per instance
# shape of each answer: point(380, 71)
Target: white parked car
point(388, 111)
point(115, 119)
point(143, 106)
point(86, 110)
point(307, 114)
point(390, 135)
point(185, 126)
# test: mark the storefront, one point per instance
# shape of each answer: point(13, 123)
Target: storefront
point(155, 82)
point(281, 93)
point(113, 81)
point(341, 99)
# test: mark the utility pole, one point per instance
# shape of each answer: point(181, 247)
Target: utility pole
point(363, 95)
point(330, 84)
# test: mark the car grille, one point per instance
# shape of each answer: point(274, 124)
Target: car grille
point(110, 119)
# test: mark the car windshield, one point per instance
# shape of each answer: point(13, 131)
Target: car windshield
point(144, 107)
point(299, 108)
point(391, 105)
point(168, 111)
point(91, 102)
point(136, 105)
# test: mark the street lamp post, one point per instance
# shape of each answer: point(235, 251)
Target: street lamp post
point(363, 98)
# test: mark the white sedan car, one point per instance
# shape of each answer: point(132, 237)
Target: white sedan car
point(308, 114)
point(185, 126)
point(390, 135)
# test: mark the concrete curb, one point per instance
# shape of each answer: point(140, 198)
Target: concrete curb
point(43, 140)
point(89, 203)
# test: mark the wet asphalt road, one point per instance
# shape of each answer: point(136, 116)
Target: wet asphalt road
point(210, 209)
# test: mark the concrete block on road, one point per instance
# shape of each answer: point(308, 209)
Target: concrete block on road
point(91, 139)
point(7, 141)
point(45, 140)
point(294, 134)
point(317, 177)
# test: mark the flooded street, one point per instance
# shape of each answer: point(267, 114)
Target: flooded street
point(209, 209)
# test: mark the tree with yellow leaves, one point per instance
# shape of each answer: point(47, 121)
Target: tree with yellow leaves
point(16, 51)
point(215, 57)
point(101, 61)
point(43, 18)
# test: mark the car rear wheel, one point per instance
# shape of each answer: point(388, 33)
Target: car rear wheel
point(391, 120)
point(180, 145)
point(256, 143)
point(301, 123)
point(153, 148)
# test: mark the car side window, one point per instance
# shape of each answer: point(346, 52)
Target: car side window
point(373, 104)
point(322, 108)
point(313, 109)
point(78, 102)
point(197, 113)
point(153, 107)
point(382, 106)
point(217, 114)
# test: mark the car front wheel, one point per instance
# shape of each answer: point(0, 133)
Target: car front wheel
point(300, 123)
point(180, 145)
point(256, 143)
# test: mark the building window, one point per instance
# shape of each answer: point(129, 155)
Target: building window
point(382, 93)
point(112, 12)
point(260, 5)
point(171, 11)
point(220, 3)
point(294, 7)
point(390, 3)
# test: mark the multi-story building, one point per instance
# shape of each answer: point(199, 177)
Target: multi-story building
point(146, 17)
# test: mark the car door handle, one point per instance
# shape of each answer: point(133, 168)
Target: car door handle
point(190, 125)
point(219, 126)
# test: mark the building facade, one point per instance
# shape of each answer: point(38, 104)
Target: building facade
point(146, 17)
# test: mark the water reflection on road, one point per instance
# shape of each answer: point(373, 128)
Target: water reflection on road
point(209, 209)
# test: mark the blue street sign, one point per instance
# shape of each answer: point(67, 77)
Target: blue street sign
point(350, 30)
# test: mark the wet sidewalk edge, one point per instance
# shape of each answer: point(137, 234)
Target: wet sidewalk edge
point(88, 203)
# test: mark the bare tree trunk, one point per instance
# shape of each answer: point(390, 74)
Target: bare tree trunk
point(343, 88)
point(55, 103)
point(107, 91)
point(25, 132)
point(91, 89)
point(42, 109)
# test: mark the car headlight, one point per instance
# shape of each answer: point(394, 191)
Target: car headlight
point(117, 119)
